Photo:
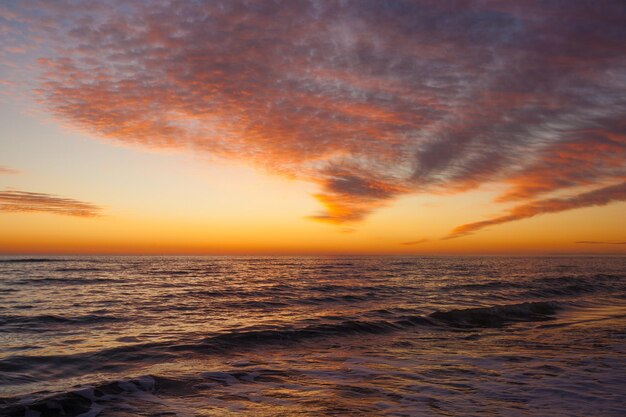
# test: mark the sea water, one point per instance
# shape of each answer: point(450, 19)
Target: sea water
point(312, 336)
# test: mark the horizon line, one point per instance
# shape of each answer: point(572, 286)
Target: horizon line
point(312, 254)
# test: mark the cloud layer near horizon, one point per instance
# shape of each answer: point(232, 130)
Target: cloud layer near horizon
point(371, 100)
point(14, 201)
point(597, 197)
point(595, 242)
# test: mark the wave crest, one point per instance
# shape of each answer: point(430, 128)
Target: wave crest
point(497, 316)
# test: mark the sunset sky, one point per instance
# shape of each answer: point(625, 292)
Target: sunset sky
point(302, 127)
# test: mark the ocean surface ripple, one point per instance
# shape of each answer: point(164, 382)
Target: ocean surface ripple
point(312, 336)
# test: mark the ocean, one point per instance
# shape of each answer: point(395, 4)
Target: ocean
point(312, 336)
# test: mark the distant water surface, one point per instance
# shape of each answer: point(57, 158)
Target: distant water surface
point(312, 336)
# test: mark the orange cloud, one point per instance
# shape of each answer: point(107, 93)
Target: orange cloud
point(27, 202)
point(370, 100)
point(598, 197)
point(589, 157)
point(351, 194)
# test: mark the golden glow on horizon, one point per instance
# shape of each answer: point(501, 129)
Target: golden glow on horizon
point(272, 228)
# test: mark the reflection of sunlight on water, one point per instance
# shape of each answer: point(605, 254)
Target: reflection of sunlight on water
point(606, 312)
point(319, 336)
point(412, 373)
point(581, 316)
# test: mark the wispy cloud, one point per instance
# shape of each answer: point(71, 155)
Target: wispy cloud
point(8, 171)
point(23, 201)
point(371, 100)
point(597, 242)
point(598, 197)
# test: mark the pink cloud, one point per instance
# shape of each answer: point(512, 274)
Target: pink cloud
point(369, 100)
point(8, 171)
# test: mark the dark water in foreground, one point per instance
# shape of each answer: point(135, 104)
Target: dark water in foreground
point(312, 336)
